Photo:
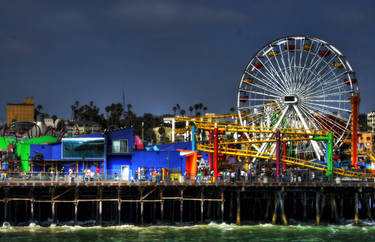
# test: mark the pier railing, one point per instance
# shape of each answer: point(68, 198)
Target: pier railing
point(99, 178)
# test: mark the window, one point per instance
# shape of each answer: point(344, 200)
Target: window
point(74, 148)
point(368, 138)
point(120, 146)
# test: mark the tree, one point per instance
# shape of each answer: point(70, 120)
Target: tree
point(174, 110)
point(232, 109)
point(362, 123)
point(37, 111)
point(205, 109)
point(161, 131)
point(196, 107)
point(114, 111)
point(191, 110)
point(54, 118)
point(182, 112)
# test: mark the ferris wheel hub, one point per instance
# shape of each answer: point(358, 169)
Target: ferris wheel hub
point(291, 99)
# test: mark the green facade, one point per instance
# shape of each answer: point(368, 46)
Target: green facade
point(23, 147)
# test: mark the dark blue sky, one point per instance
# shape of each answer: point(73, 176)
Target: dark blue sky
point(162, 52)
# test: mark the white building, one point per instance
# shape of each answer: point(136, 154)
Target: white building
point(371, 121)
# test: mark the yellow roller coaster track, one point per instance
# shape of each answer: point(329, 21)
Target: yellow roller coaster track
point(289, 160)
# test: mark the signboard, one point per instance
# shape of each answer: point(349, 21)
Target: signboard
point(82, 148)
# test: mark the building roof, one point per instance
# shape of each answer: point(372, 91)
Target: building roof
point(20, 104)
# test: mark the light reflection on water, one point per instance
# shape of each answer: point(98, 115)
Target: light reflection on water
point(211, 232)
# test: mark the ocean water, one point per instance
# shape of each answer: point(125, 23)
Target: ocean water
point(211, 232)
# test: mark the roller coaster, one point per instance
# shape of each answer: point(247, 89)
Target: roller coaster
point(297, 103)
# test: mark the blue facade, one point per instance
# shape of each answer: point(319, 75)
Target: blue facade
point(149, 160)
point(115, 159)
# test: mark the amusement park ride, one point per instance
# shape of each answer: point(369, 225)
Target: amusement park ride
point(297, 104)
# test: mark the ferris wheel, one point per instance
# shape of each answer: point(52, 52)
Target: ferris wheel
point(298, 82)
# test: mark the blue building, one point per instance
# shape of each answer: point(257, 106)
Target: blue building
point(111, 152)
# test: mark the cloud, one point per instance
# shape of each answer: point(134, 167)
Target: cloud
point(172, 12)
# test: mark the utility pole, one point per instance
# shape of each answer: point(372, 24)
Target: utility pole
point(143, 131)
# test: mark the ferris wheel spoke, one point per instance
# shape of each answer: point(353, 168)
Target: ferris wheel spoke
point(329, 101)
point(330, 125)
point(325, 125)
point(266, 82)
point(275, 71)
point(309, 116)
point(328, 81)
point(260, 93)
point(333, 94)
point(271, 72)
point(315, 84)
point(287, 80)
point(315, 66)
point(324, 111)
point(285, 77)
point(312, 78)
point(330, 107)
point(327, 90)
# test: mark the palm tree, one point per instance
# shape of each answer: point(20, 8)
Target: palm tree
point(129, 106)
point(232, 109)
point(39, 107)
point(182, 112)
point(205, 109)
point(174, 110)
point(191, 110)
point(196, 107)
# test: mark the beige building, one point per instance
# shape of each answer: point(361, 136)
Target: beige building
point(365, 141)
point(21, 112)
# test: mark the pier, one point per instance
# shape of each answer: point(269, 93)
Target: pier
point(146, 203)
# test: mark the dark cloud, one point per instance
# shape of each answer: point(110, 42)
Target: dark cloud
point(174, 12)
point(162, 52)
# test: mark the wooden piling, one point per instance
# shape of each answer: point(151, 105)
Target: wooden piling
point(341, 206)
point(32, 204)
point(141, 202)
point(222, 205)
point(119, 205)
point(368, 205)
point(76, 196)
point(281, 201)
point(268, 207)
point(231, 207)
point(202, 204)
point(334, 208)
point(100, 205)
point(238, 217)
point(161, 205)
point(181, 205)
point(356, 205)
point(274, 217)
point(317, 208)
point(52, 191)
point(304, 205)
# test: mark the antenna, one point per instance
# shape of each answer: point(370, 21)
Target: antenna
point(123, 98)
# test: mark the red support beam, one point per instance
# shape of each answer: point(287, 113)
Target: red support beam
point(210, 155)
point(215, 153)
point(355, 103)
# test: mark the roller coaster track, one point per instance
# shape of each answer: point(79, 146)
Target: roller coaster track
point(289, 160)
